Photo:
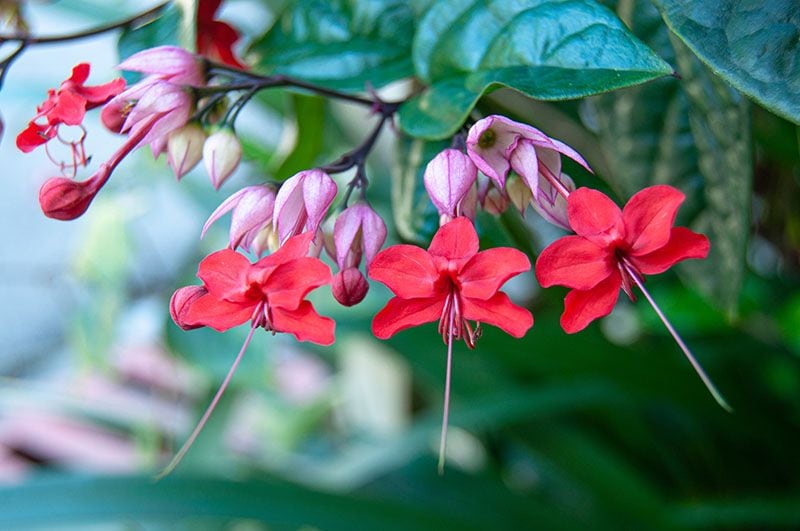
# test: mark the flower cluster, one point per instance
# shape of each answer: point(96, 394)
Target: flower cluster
point(180, 107)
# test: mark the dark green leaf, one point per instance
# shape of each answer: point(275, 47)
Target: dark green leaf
point(720, 122)
point(346, 45)
point(754, 46)
point(546, 49)
point(309, 116)
point(415, 217)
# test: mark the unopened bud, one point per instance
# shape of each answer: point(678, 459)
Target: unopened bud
point(221, 155)
point(349, 286)
point(65, 199)
point(448, 178)
point(180, 303)
point(185, 148)
point(495, 202)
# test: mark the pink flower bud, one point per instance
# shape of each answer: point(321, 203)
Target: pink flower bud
point(185, 148)
point(302, 202)
point(495, 202)
point(518, 193)
point(448, 179)
point(65, 199)
point(251, 218)
point(170, 63)
point(358, 231)
point(221, 155)
point(349, 286)
point(180, 303)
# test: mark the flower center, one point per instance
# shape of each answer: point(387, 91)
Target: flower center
point(262, 317)
point(487, 138)
point(453, 325)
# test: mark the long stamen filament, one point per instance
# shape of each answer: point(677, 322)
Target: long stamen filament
point(446, 413)
point(190, 441)
point(695, 364)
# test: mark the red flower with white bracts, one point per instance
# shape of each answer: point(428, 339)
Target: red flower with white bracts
point(451, 283)
point(270, 293)
point(614, 248)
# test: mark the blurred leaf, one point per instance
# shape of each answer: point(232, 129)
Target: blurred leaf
point(341, 44)
point(175, 26)
point(752, 46)
point(465, 48)
point(768, 513)
point(308, 133)
point(644, 130)
point(139, 500)
point(720, 122)
point(415, 217)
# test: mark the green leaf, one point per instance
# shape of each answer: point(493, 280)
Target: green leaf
point(415, 217)
point(340, 44)
point(720, 122)
point(755, 47)
point(309, 127)
point(546, 49)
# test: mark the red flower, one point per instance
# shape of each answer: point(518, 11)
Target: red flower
point(67, 105)
point(611, 246)
point(270, 293)
point(450, 282)
point(215, 39)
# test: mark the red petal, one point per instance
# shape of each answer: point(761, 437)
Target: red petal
point(500, 312)
point(219, 314)
point(99, 94)
point(456, 240)
point(583, 307)
point(70, 108)
point(290, 282)
point(206, 9)
point(224, 274)
point(304, 323)
point(575, 262)
point(682, 244)
point(34, 136)
point(407, 270)
point(488, 270)
point(80, 73)
point(399, 314)
point(595, 217)
point(649, 216)
point(223, 37)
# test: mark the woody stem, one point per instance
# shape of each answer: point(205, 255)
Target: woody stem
point(446, 413)
point(190, 441)
point(695, 364)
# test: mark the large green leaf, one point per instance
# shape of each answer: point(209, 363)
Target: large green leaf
point(341, 44)
point(720, 122)
point(754, 46)
point(546, 49)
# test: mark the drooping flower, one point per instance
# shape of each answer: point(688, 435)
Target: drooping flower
point(67, 106)
point(185, 148)
point(614, 248)
point(165, 94)
point(302, 202)
point(215, 38)
point(451, 283)
point(269, 293)
point(358, 232)
point(448, 178)
point(251, 219)
point(496, 145)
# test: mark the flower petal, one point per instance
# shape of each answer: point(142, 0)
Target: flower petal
point(581, 307)
point(500, 312)
point(70, 108)
point(224, 274)
point(399, 314)
point(683, 244)
point(649, 216)
point(290, 282)
point(304, 323)
point(574, 262)
point(488, 270)
point(217, 313)
point(457, 240)
point(407, 270)
point(595, 217)
point(448, 178)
